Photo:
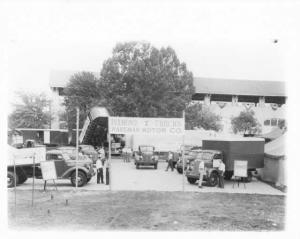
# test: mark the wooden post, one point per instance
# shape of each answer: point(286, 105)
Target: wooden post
point(109, 155)
point(33, 176)
point(183, 156)
point(77, 146)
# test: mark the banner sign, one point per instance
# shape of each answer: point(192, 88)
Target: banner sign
point(146, 126)
point(240, 168)
point(48, 170)
point(85, 126)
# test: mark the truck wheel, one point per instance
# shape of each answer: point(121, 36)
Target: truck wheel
point(179, 170)
point(155, 166)
point(249, 177)
point(228, 175)
point(213, 179)
point(11, 179)
point(81, 179)
point(192, 180)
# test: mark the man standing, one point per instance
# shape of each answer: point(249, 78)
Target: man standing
point(201, 171)
point(99, 168)
point(170, 161)
point(221, 174)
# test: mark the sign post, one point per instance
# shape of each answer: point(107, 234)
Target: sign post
point(33, 176)
point(183, 156)
point(77, 133)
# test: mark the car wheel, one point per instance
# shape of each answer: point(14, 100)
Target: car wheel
point(228, 175)
point(179, 170)
point(213, 179)
point(11, 179)
point(192, 180)
point(81, 179)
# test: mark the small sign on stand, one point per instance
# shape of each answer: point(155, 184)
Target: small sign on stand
point(48, 172)
point(240, 171)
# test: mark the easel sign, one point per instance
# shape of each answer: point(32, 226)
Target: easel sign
point(240, 168)
point(48, 172)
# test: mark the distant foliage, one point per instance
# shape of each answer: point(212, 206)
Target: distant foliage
point(32, 112)
point(141, 80)
point(199, 116)
point(246, 123)
point(82, 91)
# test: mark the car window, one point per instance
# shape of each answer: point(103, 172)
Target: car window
point(146, 149)
point(54, 157)
point(207, 156)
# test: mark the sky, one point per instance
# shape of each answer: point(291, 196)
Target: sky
point(216, 39)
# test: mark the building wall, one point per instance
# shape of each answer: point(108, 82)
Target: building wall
point(57, 108)
point(263, 112)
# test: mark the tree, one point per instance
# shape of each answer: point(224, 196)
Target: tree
point(82, 91)
point(246, 123)
point(31, 112)
point(198, 116)
point(140, 80)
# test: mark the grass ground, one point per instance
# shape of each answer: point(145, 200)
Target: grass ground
point(146, 210)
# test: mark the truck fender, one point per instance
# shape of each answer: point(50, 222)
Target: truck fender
point(69, 172)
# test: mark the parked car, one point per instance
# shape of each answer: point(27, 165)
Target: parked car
point(90, 151)
point(189, 156)
point(146, 157)
point(211, 175)
point(66, 167)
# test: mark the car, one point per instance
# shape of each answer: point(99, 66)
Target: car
point(189, 157)
point(90, 151)
point(211, 175)
point(66, 167)
point(146, 156)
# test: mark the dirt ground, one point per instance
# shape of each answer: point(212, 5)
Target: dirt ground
point(145, 210)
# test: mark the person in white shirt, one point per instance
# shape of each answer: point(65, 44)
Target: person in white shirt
point(201, 171)
point(99, 168)
point(221, 174)
point(170, 161)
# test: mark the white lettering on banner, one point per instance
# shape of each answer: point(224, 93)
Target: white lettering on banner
point(150, 126)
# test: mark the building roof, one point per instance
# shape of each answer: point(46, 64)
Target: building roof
point(203, 85)
point(239, 87)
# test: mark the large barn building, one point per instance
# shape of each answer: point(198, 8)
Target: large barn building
point(225, 97)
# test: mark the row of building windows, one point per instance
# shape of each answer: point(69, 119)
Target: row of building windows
point(274, 122)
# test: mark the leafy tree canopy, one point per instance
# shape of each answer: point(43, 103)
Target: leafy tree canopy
point(32, 112)
point(82, 91)
point(246, 123)
point(141, 80)
point(198, 116)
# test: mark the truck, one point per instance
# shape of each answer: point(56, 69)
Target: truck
point(247, 149)
point(25, 163)
point(146, 157)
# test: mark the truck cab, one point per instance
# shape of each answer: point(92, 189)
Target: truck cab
point(146, 157)
point(211, 175)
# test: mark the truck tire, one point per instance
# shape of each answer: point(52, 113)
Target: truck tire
point(228, 175)
point(192, 180)
point(155, 166)
point(11, 179)
point(213, 179)
point(82, 180)
point(179, 170)
point(249, 177)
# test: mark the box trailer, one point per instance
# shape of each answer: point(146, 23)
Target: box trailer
point(245, 149)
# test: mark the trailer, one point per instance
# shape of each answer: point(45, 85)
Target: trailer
point(245, 149)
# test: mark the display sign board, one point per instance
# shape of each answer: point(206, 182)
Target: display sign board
point(216, 163)
point(48, 170)
point(146, 126)
point(240, 168)
point(46, 137)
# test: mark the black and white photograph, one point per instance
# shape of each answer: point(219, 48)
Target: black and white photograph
point(148, 116)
